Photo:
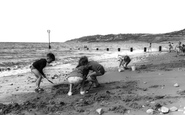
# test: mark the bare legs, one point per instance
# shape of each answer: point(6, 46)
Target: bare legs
point(93, 78)
point(39, 77)
point(75, 81)
point(70, 90)
point(121, 63)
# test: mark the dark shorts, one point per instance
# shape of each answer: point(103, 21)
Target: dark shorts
point(35, 71)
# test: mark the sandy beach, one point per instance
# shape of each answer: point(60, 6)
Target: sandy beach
point(157, 83)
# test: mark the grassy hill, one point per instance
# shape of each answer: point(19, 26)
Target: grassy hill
point(171, 36)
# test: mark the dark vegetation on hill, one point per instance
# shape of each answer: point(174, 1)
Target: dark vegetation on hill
point(171, 36)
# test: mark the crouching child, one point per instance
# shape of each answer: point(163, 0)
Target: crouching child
point(123, 61)
point(77, 77)
point(96, 70)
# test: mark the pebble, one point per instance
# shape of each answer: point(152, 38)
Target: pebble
point(150, 111)
point(152, 102)
point(176, 85)
point(81, 100)
point(180, 110)
point(99, 111)
point(164, 110)
point(173, 109)
point(16, 67)
point(55, 76)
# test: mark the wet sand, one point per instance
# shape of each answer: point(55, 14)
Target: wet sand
point(128, 92)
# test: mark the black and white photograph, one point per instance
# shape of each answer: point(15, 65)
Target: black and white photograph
point(92, 57)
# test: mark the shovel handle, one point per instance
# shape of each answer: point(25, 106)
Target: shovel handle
point(49, 80)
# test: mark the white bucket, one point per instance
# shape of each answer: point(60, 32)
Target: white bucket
point(133, 68)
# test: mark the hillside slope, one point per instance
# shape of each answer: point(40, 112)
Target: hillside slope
point(171, 36)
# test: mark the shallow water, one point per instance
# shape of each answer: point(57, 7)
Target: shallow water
point(19, 56)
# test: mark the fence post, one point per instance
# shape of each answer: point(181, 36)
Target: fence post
point(160, 48)
point(131, 49)
point(107, 49)
point(145, 49)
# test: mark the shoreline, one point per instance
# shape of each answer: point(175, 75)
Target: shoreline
point(70, 61)
point(56, 74)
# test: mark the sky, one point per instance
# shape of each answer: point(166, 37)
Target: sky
point(29, 20)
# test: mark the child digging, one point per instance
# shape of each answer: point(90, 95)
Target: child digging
point(124, 61)
point(97, 70)
point(37, 69)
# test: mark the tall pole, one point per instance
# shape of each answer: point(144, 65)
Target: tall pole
point(49, 38)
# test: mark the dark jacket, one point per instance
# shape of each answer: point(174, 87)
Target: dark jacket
point(39, 65)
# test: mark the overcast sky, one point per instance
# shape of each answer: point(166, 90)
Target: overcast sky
point(29, 20)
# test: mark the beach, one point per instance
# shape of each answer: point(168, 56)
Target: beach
point(128, 92)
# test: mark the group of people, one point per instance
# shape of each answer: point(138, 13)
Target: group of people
point(85, 71)
point(179, 48)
